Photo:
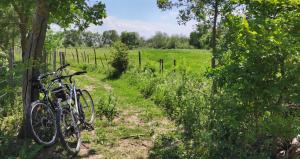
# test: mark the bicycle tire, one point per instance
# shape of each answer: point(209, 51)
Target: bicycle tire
point(87, 104)
point(45, 122)
point(61, 119)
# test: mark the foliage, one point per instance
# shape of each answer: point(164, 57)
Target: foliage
point(119, 53)
point(168, 146)
point(201, 38)
point(107, 107)
point(53, 40)
point(184, 99)
point(131, 39)
point(201, 11)
point(109, 37)
point(8, 27)
point(178, 42)
point(159, 40)
point(258, 81)
point(163, 41)
point(72, 38)
point(84, 14)
point(92, 39)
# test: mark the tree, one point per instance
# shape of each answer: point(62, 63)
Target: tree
point(259, 80)
point(204, 11)
point(109, 37)
point(159, 40)
point(8, 27)
point(178, 42)
point(90, 39)
point(72, 38)
point(201, 37)
point(24, 10)
point(59, 12)
point(131, 39)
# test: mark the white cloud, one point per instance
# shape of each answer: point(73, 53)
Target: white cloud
point(146, 28)
point(166, 23)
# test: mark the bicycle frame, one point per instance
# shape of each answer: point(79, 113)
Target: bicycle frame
point(73, 94)
point(46, 93)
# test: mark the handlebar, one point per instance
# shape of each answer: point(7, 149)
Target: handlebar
point(63, 67)
point(69, 76)
point(43, 76)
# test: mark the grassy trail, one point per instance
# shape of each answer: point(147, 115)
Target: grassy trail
point(131, 134)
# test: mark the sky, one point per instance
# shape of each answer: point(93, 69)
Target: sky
point(142, 16)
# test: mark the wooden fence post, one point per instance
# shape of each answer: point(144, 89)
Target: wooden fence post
point(162, 66)
point(105, 57)
point(11, 65)
point(73, 56)
point(159, 65)
point(54, 60)
point(95, 57)
point(50, 60)
point(65, 54)
point(88, 57)
point(77, 56)
point(140, 59)
point(174, 64)
point(45, 58)
point(63, 58)
point(60, 58)
point(84, 56)
point(101, 62)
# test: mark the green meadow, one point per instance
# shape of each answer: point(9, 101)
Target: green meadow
point(194, 60)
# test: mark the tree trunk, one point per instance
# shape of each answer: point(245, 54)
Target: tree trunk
point(214, 34)
point(23, 22)
point(33, 58)
point(214, 42)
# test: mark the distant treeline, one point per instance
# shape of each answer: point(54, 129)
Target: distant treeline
point(198, 39)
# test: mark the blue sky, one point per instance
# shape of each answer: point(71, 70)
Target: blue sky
point(141, 16)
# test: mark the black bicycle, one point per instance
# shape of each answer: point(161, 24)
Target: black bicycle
point(76, 111)
point(42, 113)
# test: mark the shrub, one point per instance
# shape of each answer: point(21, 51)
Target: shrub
point(119, 54)
point(185, 101)
point(107, 108)
point(168, 146)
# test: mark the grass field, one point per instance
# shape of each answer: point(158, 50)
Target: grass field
point(196, 61)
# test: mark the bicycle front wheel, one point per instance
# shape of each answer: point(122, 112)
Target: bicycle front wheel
point(43, 123)
point(87, 105)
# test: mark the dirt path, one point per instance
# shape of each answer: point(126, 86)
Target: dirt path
point(131, 134)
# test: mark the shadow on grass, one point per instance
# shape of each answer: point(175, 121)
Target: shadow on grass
point(167, 146)
point(113, 75)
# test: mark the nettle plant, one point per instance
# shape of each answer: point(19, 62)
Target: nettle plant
point(258, 80)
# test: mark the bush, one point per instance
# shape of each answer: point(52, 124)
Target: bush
point(107, 108)
point(168, 146)
point(258, 80)
point(184, 99)
point(119, 54)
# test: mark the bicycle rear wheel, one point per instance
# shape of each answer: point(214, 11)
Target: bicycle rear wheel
point(43, 123)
